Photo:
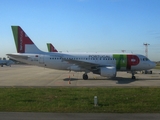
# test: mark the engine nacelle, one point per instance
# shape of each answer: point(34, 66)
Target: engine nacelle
point(108, 71)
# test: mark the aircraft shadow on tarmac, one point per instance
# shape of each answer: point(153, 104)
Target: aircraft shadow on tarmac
point(71, 79)
point(120, 80)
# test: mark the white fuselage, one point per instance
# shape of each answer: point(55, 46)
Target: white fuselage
point(72, 61)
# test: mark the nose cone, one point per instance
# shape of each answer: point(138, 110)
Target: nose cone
point(153, 64)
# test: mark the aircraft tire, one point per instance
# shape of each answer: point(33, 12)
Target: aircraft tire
point(85, 76)
point(133, 77)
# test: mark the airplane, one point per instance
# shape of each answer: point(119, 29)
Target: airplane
point(6, 62)
point(51, 48)
point(103, 64)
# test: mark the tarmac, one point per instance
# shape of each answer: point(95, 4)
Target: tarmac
point(33, 76)
point(77, 116)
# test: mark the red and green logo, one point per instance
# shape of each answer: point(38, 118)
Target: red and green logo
point(125, 61)
point(21, 39)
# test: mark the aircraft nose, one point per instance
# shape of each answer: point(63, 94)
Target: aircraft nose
point(153, 64)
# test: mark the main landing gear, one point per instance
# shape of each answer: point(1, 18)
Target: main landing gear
point(133, 77)
point(85, 76)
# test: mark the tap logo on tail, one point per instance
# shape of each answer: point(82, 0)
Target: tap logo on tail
point(51, 48)
point(23, 42)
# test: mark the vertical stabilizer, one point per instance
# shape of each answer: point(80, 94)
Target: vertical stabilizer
point(51, 48)
point(23, 43)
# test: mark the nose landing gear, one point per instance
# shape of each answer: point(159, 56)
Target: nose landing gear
point(133, 76)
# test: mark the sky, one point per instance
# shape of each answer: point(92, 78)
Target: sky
point(107, 26)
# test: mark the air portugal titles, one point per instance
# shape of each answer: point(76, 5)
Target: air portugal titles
point(124, 62)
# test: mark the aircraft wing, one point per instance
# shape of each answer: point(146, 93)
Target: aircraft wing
point(18, 56)
point(84, 64)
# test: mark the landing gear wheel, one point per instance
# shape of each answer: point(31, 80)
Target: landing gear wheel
point(133, 77)
point(85, 76)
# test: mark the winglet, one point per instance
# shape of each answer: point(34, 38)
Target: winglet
point(51, 48)
point(23, 43)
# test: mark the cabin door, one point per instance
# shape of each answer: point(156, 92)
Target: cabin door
point(41, 59)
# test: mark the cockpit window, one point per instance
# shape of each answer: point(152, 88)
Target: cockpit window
point(145, 59)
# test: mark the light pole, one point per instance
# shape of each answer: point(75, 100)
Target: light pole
point(146, 48)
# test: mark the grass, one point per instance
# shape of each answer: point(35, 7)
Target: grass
point(80, 100)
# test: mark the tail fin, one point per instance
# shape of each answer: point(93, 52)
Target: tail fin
point(51, 48)
point(23, 43)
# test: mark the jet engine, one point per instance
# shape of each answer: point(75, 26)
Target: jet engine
point(106, 71)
